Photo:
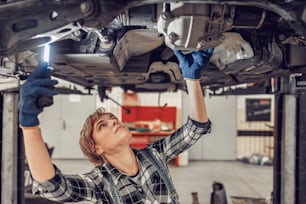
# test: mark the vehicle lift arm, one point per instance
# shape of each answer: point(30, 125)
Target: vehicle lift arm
point(289, 149)
point(290, 140)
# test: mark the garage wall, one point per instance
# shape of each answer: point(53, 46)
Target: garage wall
point(62, 122)
point(144, 99)
point(161, 99)
point(220, 144)
point(255, 134)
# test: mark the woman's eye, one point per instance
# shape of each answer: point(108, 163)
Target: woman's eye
point(102, 125)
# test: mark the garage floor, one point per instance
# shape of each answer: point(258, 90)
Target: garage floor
point(238, 178)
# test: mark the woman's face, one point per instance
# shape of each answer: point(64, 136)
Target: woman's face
point(110, 135)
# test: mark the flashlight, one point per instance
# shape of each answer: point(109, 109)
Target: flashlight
point(46, 56)
point(45, 101)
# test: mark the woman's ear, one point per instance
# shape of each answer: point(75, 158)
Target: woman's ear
point(98, 150)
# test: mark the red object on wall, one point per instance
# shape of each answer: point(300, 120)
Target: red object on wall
point(149, 114)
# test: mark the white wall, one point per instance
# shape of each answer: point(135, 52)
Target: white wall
point(109, 105)
point(248, 145)
point(220, 144)
point(62, 122)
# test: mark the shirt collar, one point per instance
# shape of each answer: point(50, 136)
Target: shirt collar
point(115, 173)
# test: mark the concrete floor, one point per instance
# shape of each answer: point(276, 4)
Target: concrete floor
point(239, 179)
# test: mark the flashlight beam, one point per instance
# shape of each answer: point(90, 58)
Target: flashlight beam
point(46, 56)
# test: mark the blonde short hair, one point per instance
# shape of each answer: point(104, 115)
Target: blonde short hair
point(86, 141)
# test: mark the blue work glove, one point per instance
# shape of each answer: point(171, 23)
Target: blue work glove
point(191, 64)
point(38, 84)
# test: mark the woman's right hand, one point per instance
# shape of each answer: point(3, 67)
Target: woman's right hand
point(38, 84)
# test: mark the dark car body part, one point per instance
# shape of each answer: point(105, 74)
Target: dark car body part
point(130, 43)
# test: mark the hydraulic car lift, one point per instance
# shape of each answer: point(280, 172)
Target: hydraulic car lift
point(290, 142)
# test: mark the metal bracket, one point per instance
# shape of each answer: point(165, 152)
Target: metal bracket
point(8, 80)
point(297, 83)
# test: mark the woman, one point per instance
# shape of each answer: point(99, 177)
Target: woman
point(121, 174)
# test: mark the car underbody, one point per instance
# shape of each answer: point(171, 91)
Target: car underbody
point(130, 44)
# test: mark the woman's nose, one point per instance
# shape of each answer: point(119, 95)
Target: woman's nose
point(115, 122)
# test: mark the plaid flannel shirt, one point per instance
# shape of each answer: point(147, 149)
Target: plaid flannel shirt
point(147, 187)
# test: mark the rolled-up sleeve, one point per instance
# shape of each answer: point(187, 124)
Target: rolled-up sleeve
point(182, 139)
